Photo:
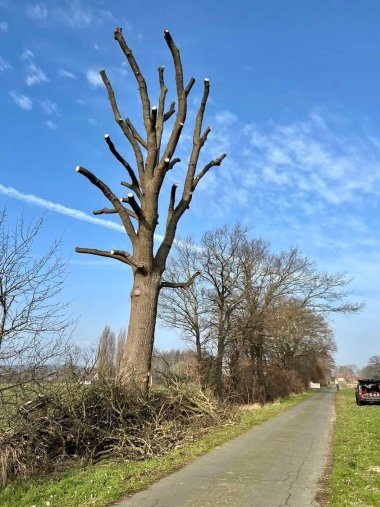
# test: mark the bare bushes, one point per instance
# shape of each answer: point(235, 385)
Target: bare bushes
point(90, 422)
point(281, 383)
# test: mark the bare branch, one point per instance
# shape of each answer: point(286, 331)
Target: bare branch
point(139, 78)
point(154, 117)
point(119, 255)
point(132, 202)
point(203, 137)
point(126, 130)
point(172, 196)
point(135, 134)
point(107, 192)
point(182, 105)
point(206, 168)
point(189, 86)
point(104, 211)
point(161, 107)
point(170, 112)
point(181, 285)
point(177, 61)
point(173, 163)
point(135, 183)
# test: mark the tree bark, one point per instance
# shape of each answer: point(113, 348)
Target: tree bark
point(136, 363)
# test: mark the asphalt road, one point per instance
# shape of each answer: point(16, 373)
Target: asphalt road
point(276, 464)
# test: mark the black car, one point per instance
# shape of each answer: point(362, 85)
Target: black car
point(367, 391)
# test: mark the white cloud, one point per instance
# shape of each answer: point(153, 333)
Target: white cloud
point(27, 55)
point(3, 26)
point(81, 102)
point(64, 210)
point(94, 78)
point(309, 157)
point(37, 11)
point(49, 107)
point(74, 14)
point(22, 101)
point(51, 125)
point(4, 65)
point(65, 73)
point(59, 208)
point(35, 75)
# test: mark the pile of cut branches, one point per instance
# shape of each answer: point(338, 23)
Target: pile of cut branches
point(90, 422)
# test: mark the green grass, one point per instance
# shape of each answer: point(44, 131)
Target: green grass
point(104, 483)
point(355, 481)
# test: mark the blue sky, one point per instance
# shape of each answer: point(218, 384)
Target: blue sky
point(294, 102)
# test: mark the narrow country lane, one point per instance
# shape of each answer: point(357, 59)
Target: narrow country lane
point(275, 464)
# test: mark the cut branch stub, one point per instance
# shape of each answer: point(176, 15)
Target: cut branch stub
point(206, 168)
point(170, 112)
point(104, 211)
point(113, 254)
point(132, 202)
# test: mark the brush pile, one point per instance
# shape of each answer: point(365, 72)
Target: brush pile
point(92, 422)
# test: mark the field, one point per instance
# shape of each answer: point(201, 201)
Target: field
point(355, 475)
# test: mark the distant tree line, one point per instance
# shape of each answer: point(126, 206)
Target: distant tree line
point(256, 321)
point(351, 372)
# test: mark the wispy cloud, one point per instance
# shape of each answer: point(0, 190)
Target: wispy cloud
point(37, 11)
point(64, 210)
point(4, 65)
point(51, 125)
point(34, 75)
point(3, 26)
point(49, 107)
point(309, 158)
point(74, 14)
point(27, 54)
point(59, 208)
point(22, 101)
point(65, 73)
point(94, 78)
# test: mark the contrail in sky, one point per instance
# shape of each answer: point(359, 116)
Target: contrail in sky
point(59, 208)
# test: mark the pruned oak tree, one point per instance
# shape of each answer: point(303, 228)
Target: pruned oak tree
point(139, 210)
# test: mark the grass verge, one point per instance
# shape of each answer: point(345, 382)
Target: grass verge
point(104, 483)
point(355, 475)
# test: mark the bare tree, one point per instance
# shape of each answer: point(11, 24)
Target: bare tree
point(296, 332)
point(119, 350)
point(33, 322)
point(105, 357)
point(222, 268)
point(372, 370)
point(139, 210)
point(186, 308)
point(286, 277)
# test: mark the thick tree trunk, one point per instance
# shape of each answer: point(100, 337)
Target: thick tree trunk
point(137, 355)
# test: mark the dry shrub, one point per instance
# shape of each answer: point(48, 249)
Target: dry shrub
point(281, 383)
point(90, 422)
